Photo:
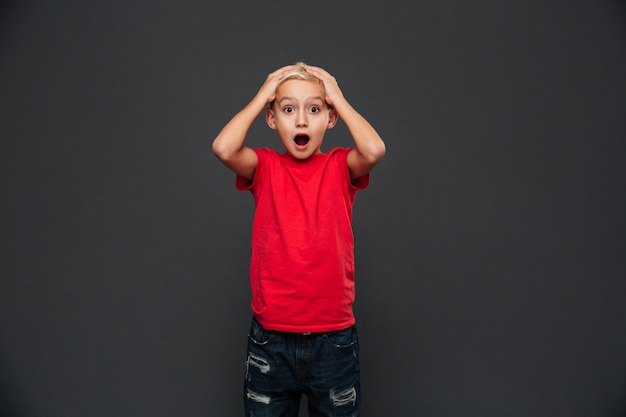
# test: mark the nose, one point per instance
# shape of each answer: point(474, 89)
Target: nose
point(301, 120)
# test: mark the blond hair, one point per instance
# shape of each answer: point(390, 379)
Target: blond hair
point(300, 73)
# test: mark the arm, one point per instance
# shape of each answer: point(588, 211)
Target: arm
point(228, 146)
point(369, 147)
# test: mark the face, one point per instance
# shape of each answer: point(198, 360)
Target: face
point(301, 117)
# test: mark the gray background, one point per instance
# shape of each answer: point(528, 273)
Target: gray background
point(491, 268)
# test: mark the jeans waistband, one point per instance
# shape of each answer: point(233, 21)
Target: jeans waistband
point(292, 333)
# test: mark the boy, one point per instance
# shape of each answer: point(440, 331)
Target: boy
point(303, 336)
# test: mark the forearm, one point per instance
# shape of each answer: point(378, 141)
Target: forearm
point(369, 147)
point(228, 145)
point(231, 138)
point(368, 142)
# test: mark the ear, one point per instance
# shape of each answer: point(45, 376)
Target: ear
point(270, 118)
point(333, 117)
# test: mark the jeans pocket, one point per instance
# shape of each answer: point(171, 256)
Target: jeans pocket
point(258, 335)
point(342, 339)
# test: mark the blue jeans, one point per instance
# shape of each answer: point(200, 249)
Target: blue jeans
point(283, 366)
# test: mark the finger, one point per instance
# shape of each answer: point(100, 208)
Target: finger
point(286, 69)
point(314, 68)
point(281, 72)
point(318, 72)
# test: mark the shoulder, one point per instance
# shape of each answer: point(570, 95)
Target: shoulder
point(338, 153)
point(266, 152)
point(267, 155)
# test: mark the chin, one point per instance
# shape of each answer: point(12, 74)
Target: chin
point(300, 155)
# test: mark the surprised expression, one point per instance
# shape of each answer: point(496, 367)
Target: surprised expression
point(301, 117)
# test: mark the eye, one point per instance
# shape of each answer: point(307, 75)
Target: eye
point(288, 109)
point(314, 109)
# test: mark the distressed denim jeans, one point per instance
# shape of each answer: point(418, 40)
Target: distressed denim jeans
point(283, 366)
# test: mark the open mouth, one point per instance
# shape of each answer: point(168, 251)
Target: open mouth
point(301, 140)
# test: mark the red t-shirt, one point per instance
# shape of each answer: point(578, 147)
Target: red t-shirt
point(302, 265)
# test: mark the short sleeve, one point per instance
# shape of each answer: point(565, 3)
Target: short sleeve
point(357, 184)
point(243, 183)
point(361, 182)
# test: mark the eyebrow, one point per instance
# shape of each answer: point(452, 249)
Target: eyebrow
point(308, 99)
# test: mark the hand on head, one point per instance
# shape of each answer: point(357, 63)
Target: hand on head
point(333, 92)
point(273, 80)
point(268, 89)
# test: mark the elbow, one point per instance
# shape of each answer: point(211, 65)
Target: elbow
point(220, 149)
point(381, 150)
point(215, 147)
point(376, 152)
